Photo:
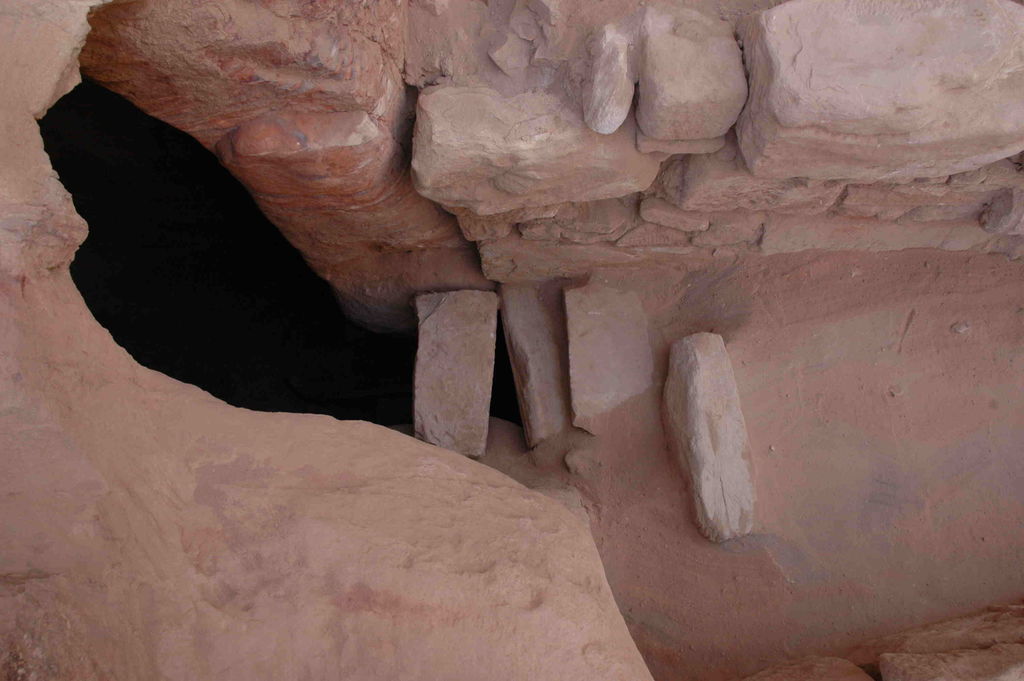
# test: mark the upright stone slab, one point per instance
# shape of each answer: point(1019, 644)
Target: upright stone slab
point(998, 663)
point(454, 369)
point(535, 336)
point(609, 350)
point(707, 434)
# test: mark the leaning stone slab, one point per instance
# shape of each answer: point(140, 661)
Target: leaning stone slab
point(813, 669)
point(608, 95)
point(610, 357)
point(868, 90)
point(454, 369)
point(998, 663)
point(708, 435)
point(477, 149)
point(535, 336)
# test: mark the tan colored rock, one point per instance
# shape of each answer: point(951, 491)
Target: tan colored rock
point(813, 669)
point(708, 435)
point(661, 212)
point(917, 201)
point(454, 368)
point(836, 95)
point(515, 259)
point(735, 227)
point(476, 149)
point(994, 626)
point(648, 234)
point(610, 357)
point(701, 100)
point(585, 223)
point(650, 145)
point(534, 327)
point(608, 96)
point(720, 182)
point(1003, 662)
point(1005, 214)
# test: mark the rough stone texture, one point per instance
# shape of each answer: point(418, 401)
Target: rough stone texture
point(534, 327)
point(160, 534)
point(476, 149)
point(702, 100)
point(305, 104)
point(609, 351)
point(835, 93)
point(998, 663)
point(609, 91)
point(1005, 214)
point(661, 212)
point(454, 368)
point(650, 145)
point(813, 669)
point(585, 223)
point(720, 182)
point(995, 626)
point(708, 436)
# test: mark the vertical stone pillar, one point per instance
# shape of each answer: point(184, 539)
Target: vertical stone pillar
point(454, 369)
point(535, 336)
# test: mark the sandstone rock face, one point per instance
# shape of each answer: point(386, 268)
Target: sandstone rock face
point(700, 101)
point(161, 534)
point(995, 626)
point(720, 182)
point(835, 96)
point(813, 669)
point(476, 149)
point(998, 663)
point(306, 106)
point(708, 435)
point(454, 368)
point(535, 336)
point(609, 351)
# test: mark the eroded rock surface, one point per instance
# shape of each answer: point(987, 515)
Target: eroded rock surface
point(835, 93)
point(454, 369)
point(813, 669)
point(999, 663)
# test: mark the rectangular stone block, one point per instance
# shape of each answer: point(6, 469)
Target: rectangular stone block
point(610, 357)
point(708, 435)
point(869, 90)
point(454, 369)
point(535, 336)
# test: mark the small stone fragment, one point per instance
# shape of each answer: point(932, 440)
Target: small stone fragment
point(609, 92)
point(708, 435)
point(661, 212)
point(650, 145)
point(648, 235)
point(1005, 215)
point(998, 663)
point(813, 669)
point(610, 357)
point(454, 369)
point(692, 82)
point(535, 335)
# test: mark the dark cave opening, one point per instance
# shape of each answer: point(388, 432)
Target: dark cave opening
point(193, 281)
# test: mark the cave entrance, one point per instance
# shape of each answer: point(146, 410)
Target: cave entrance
point(188, 276)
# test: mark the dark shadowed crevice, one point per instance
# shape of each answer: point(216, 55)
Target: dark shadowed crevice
point(189, 276)
point(191, 279)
